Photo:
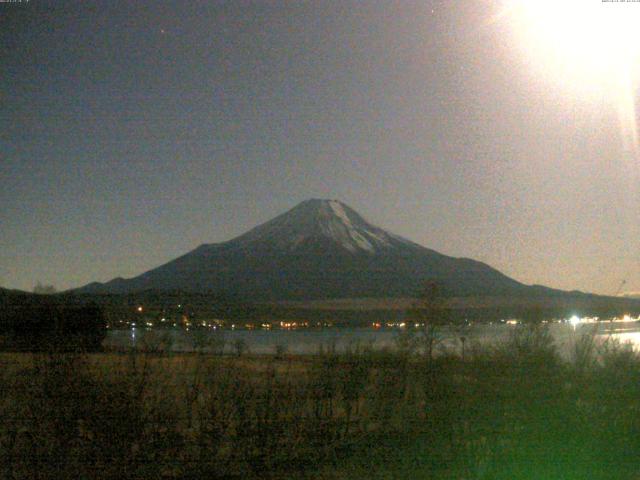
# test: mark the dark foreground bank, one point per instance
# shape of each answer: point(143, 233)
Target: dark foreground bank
point(512, 411)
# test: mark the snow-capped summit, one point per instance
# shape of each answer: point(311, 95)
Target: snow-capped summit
point(318, 249)
point(317, 219)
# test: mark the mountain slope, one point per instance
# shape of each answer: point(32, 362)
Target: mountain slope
point(319, 249)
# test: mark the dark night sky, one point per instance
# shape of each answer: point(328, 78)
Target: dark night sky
point(132, 132)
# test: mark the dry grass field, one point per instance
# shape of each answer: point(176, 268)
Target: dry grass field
point(514, 411)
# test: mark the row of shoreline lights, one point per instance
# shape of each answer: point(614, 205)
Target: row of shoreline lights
point(575, 320)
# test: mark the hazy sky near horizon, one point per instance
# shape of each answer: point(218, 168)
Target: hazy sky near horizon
point(132, 132)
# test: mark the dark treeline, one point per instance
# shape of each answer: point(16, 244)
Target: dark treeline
point(229, 308)
point(50, 323)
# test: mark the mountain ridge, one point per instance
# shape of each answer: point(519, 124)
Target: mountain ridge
point(321, 248)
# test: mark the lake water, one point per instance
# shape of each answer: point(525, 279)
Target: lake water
point(309, 341)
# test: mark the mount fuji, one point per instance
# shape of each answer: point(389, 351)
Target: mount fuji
point(320, 249)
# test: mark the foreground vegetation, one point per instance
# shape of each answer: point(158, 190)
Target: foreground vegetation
point(514, 411)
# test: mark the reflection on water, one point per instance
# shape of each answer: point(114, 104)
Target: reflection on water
point(309, 341)
point(626, 338)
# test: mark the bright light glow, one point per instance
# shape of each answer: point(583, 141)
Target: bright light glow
point(590, 46)
point(575, 320)
point(590, 37)
point(139, 309)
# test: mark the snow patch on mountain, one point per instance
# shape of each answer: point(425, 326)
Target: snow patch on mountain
point(381, 238)
point(345, 232)
point(352, 234)
point(339, 211)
